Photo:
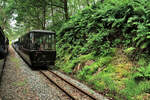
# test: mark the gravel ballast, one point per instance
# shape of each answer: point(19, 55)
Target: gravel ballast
point(19, 82)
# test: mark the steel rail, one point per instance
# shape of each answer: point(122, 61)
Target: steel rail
point(73, 85)
point(67, 93)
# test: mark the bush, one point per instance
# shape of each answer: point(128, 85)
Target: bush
point(142, 73)
point(106, 25)
point(95, 32)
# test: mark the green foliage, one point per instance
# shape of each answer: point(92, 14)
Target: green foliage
point(142, 73)
point(133, 89)
point(107, 25)
point(130, 51)
point(98, 30)
point(70, 64)
point(142, 62)
point(88, 71)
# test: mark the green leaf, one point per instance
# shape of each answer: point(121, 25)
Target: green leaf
point(144, 45)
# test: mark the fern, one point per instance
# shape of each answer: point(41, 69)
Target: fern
point(142, 73)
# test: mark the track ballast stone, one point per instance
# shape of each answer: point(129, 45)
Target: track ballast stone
point(19, 82)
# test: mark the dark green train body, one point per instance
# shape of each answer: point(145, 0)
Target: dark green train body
point(4, 42)
point(37, 48)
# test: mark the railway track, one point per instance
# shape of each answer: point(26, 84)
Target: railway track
point(71, 90)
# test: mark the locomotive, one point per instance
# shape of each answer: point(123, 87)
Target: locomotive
point(4, 42)
point(37, 48)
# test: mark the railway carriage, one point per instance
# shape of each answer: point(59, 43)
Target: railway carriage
point(37, 48)
point(3, 49)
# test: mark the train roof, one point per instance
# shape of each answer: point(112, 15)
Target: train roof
point(38, 31)
point(42, 31)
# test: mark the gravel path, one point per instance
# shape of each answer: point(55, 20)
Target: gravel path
point(19, 82)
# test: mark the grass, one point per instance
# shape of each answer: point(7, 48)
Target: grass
point(15, 61)
point(112, 75)
point(69, 65)
point(20, 83)
point(25, 91)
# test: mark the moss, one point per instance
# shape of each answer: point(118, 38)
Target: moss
point(20, 83)
point(15, 61)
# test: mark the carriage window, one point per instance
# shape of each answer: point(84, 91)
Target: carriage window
point(54, 43)
point(43, 41)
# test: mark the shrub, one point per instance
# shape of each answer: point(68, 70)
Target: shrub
point(106, 25)
point(95, 32)
point(142, 73)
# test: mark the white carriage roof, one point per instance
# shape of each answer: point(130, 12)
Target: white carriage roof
point(42, 31)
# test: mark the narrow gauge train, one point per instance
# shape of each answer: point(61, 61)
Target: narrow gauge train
point(37, 48)
point(3, 49)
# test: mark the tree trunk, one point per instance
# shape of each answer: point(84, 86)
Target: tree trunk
point(88, 2)
point(94, 2)
point(102, 1)
point(66, 9)
point(52, 12)
point(44, 18)
point(79, 4)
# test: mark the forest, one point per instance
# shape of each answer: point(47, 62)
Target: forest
point(103, 43)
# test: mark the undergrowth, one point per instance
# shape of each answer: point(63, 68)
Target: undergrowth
point(107, 46)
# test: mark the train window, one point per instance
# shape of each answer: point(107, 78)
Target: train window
point(53, 42)
point(43, 41)
point(25, 42)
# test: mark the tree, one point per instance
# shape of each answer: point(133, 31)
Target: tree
point(66, 9)
point(41, 14)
